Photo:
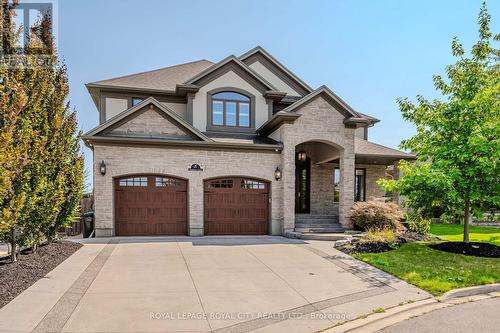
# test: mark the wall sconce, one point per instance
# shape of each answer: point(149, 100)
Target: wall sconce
point(302, 156)
point(102, 168)
point(277, 173)
point(195, 167)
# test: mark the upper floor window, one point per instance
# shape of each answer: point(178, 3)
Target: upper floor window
point(136, 100)
point(230, 109)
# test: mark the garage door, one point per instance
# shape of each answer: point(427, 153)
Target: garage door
point(150, 205)
point(236, 206)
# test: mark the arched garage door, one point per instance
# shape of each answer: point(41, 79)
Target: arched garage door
point(236, 206)
point(150, 205)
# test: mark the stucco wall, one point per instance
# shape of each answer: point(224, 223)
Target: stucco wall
point(121, 160)
point(273, 79)
point(229, 79)
point(115, 106)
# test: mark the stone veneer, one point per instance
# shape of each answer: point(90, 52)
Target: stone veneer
point(122, 160)
point(319, 122)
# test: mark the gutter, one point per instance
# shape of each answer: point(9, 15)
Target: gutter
point(89, 140)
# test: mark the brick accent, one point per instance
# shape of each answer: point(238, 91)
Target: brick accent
point(122, 160)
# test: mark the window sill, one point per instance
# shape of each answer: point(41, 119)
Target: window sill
point(227, 129)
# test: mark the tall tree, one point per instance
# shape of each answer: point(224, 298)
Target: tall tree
point(49, 181)
point(458, 137)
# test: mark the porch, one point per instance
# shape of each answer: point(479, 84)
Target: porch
point(318, 182)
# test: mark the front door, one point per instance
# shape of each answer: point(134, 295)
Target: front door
point(302, 186)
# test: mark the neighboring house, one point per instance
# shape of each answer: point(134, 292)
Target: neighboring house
point(242, 146)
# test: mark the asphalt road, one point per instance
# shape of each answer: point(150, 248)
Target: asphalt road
point(478, 317)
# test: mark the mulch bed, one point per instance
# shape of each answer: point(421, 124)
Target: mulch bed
point(360, 246)
point(469, 249)
point(30, 267)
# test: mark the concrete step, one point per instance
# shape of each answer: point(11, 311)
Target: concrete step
point(317, 225)
point(318, 221)
point(317, 236)
point(320, 230)
point(314, 216)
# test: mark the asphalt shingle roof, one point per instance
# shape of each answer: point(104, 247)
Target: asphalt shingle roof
point(364, 147)
point(160, 79)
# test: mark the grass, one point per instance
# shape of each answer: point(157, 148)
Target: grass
point(433, 270)
point(454, 232)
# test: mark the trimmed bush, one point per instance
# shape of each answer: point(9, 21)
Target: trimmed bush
point(376, 215)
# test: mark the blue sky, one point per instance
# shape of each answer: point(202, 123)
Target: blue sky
point(368, 52)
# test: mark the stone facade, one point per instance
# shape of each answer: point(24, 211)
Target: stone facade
point(123, 160)
point(321, 123)
point(150, 123)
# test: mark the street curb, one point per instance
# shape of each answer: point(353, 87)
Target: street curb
point(378, 321)
point(470, 291)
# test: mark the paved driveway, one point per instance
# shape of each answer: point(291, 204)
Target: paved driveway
point(221, 284)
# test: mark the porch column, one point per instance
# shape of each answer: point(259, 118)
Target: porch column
point(288, 179)
point(347, 165)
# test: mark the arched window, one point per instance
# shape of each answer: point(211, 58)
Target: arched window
point(230, 109)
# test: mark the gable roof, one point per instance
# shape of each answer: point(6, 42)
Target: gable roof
point(364, 148)
point(197, 79)
point(164, 79)
point(330, 96)
point(260, 54)
point(130, 113)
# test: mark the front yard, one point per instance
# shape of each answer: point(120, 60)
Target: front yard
point(433, 270)
point(437, 271)
point(454, 232)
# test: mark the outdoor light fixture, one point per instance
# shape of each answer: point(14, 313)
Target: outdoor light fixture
point(277, 173)
point(302, 156)
point(102, 168)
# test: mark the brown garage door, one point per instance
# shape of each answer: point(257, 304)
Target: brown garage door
point(150, 205)
point(236, 206)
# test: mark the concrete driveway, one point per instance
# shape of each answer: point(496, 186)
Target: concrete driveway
point(219, 284)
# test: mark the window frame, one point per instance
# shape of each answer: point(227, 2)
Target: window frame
point(363, 185)
point(230, 128)
point(135, 98)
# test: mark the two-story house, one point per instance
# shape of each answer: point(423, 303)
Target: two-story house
point(238, 147)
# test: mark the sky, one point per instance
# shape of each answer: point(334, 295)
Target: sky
point(368, 52)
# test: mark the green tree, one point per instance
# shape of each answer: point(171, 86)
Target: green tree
point(457, 140)
point(48, 184)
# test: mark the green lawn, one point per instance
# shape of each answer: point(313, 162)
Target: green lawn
point(433, 270)
point(454, 232)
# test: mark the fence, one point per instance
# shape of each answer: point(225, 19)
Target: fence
point(76, 227)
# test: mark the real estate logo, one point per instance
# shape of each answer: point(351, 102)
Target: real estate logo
point(29, 34)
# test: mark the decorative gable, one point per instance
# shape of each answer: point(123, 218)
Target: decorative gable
point(150, 123)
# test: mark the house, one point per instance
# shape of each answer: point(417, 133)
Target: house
point(241, 146)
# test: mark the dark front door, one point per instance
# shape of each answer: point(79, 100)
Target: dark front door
point(302, 186)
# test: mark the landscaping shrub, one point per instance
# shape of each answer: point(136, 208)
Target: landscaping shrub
point(382, 235)
point(419, 224)
point(376, 215)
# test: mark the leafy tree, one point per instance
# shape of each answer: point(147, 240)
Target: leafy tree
point(48, 178)
point(457, 138)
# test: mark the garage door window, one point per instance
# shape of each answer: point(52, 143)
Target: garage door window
point(167, 182)
point(134, 181)
point(252, 185)
point(221, 183)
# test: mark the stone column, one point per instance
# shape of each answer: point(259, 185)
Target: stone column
point(346, 187)
point(195, 204)
point(288, 179)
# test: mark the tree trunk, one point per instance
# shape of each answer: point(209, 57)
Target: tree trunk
point(13, 246)
point(466, 220)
